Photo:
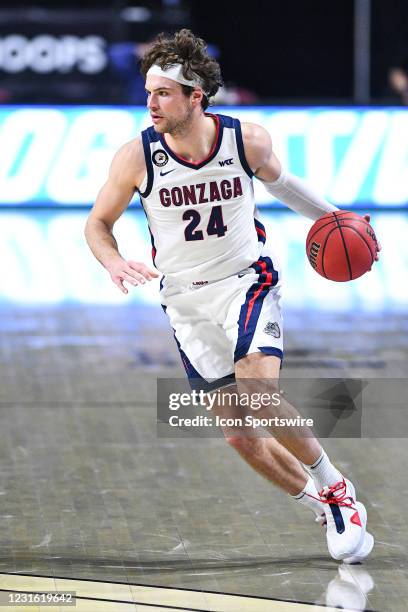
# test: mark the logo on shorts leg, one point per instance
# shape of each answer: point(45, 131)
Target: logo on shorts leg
point(272, 329)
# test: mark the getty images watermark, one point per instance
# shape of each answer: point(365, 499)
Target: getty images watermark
point(224, 401)
point(326, 407)
point(250, 408)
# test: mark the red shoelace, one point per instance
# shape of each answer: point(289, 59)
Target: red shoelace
point(335, 494)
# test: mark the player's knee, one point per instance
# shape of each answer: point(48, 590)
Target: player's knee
point(260, 394)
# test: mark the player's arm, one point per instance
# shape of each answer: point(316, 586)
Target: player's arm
point(126, 173)
point(287, 188)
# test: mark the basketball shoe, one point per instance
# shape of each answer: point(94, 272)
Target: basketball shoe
point(346, 522)
point(313, 500)
point(361, 553)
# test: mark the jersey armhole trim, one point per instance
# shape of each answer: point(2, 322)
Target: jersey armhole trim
point(149, 165)
point(240, 147)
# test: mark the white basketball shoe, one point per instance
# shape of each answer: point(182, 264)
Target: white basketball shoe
point(346, 521)
point(318, 508)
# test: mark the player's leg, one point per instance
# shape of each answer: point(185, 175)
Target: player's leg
point(257, 373)
point(205, 354)
point(270, 459)
point(206, 345)
point(346, 518)
point(266, 455)
point(254, 325)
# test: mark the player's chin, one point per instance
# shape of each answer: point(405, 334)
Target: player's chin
point(160, 126)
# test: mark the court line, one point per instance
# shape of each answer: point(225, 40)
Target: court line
point(119, 601)
point(249, 598)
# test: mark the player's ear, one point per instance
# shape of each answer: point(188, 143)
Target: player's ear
point(196, 97)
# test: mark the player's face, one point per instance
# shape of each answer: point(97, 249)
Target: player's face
point(170, 109)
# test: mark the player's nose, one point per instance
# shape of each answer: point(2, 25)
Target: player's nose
point(152, 103)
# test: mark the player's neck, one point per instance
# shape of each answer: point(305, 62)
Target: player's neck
point(196, 142)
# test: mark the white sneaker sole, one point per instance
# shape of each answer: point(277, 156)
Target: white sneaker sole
point(363, 552)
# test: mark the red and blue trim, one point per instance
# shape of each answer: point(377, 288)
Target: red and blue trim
point(260, 230)
point(251, 309)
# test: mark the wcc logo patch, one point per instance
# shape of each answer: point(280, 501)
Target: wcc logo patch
point(272, 329)
point(160, 158)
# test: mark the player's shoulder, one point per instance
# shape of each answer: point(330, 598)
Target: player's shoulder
point(254, 134)
point(131, 152)
point(129, 160)
point(257, 144)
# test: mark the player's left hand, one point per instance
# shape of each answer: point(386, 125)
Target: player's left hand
point(367, 217)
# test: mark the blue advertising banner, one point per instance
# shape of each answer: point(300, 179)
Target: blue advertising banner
point(60, 155)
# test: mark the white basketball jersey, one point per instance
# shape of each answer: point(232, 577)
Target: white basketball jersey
point(201, 215)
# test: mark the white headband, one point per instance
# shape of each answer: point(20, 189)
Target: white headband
point(175, 73)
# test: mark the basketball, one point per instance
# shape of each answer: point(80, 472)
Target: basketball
point(341, 246)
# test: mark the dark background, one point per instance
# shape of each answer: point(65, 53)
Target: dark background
point(299, 48)
point(286, 51)
point(292, 52)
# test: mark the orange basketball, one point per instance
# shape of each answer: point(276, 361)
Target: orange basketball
point(341, 246)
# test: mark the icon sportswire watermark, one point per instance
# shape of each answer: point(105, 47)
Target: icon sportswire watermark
point(303, 407)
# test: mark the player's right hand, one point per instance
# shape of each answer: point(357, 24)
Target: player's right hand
point(133, 272)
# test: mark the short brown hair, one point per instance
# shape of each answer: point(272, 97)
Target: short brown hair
point(187, 49)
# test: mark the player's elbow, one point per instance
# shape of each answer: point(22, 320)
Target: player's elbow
point(88, 229)
point(95, 225)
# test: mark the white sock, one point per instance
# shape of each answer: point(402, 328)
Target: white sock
point(307, 495)
point(323, 472)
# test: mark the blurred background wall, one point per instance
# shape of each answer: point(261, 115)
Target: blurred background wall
point(329, 81)
point(85, 52)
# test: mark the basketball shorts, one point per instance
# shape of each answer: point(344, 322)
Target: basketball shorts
point(217, 323)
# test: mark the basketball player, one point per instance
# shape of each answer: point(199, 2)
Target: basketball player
point(220, 285)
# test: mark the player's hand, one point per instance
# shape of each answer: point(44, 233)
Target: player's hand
point(133, 272)
point(367, 217)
